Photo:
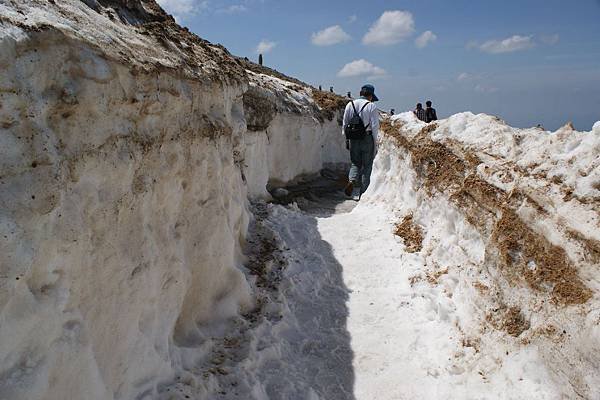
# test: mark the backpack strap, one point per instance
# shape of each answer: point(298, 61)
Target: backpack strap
point(362, 109)
point(355, 113)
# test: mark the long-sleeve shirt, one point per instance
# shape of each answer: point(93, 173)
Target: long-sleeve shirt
point(369, 115)
point(420, 113)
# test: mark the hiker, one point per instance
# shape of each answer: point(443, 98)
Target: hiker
point(392, 111)
point(360, 126)
point(430, 114)
point(419, 112)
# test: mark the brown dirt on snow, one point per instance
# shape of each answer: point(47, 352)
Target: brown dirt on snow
point(262, 69)
point(510, 320)
point(543, 265)
point(514, 323)
point(524, 255)
point(329, 102)
point(411, 234)
point(433, 277)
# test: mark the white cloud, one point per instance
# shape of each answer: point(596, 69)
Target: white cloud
point(233, 9)
point(330, 36)
point(550, 39)
point(513, 43)
point(424, 39)
point(485, 89)
point(181, 8)
point(392, 27)
point(360, 68)
point(463, 77)
point(265, 46)
point(352, 19)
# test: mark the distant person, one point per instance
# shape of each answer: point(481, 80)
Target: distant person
point(360, 126)
point(320, 88)
point(331, 89)
point(349, 95)
point(419, 112)
point(392, 111)
point(430, 114)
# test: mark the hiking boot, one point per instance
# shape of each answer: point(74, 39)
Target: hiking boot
point(349, 188)
point(356, 194)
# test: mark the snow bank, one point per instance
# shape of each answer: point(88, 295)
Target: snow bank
point(123, 202)
point(510, 221)
point(288, 135)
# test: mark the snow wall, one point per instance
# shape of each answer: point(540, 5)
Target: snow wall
point(125, 170)
point(507, 221)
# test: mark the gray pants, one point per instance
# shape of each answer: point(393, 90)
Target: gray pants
point(362, 153)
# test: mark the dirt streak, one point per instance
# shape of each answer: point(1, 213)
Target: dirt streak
point(524, 255)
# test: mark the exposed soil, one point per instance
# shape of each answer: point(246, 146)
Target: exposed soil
point(411, 233)
point(261, 69)
point(510, 320)
point(330, 103)
point(513, 322)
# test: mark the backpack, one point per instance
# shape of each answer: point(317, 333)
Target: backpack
point(355, 129)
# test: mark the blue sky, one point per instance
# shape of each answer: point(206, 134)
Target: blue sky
point(527, 61)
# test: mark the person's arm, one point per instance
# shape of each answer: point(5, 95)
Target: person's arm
point(434, 114)
point(374, 122)
point(346, 118)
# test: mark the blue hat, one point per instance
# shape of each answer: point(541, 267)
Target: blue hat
point(369, 90)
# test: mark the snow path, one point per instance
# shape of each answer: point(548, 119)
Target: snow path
point(347, 323)
point(404, 339)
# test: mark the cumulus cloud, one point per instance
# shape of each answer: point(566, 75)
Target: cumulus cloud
point(360, 68)
point(509, 45)
point(265, 46)
point(392, 27)
point(425, 38)
point(330, 36)
point(181, 8)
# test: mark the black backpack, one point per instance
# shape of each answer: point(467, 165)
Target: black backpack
point(355, 129)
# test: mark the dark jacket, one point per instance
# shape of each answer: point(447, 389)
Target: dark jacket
point(430, 114)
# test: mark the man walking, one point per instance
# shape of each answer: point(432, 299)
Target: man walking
point(419, 112)
point(361, 126)
point(430, 114)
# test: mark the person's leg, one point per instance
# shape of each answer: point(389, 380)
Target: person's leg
point(356, 160)
point(368, 154)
